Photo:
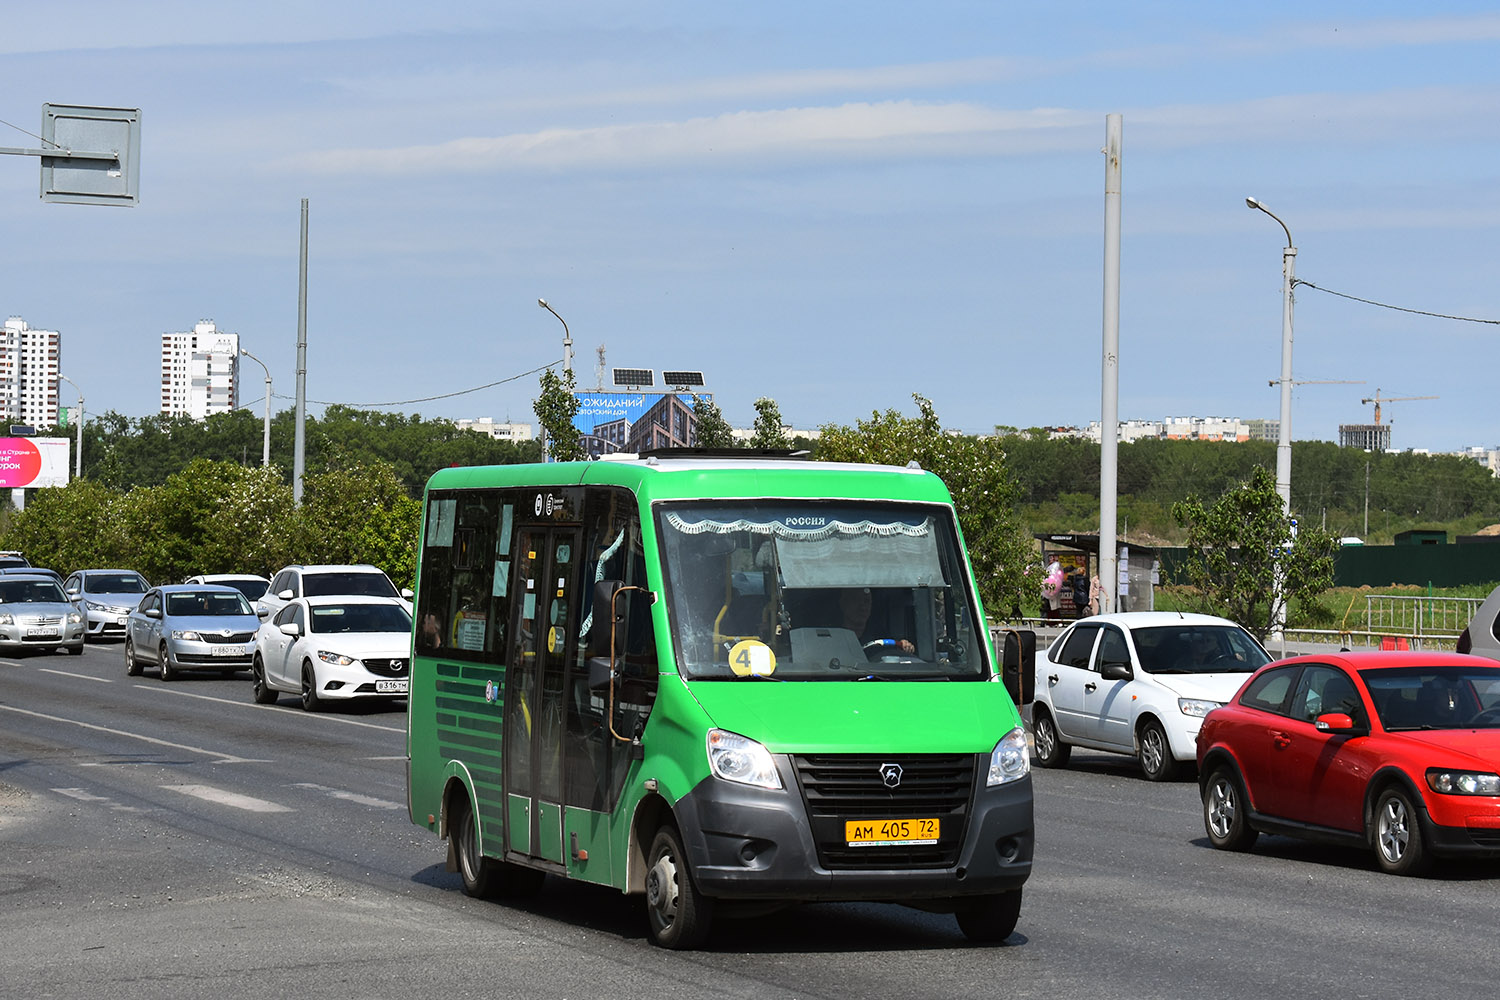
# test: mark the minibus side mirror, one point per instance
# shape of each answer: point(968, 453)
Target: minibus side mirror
point(603, 622)
point(1018, 665)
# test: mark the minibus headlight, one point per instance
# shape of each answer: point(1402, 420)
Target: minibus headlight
point(1010, 759)
point(735, 758)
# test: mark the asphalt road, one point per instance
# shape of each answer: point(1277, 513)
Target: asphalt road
point(176, 840)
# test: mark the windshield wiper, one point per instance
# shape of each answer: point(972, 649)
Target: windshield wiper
point(903, 677)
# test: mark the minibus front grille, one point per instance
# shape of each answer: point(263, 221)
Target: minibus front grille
point(839, 788)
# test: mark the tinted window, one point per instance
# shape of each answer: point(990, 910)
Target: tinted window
point(284, 615)
point(9, 561)
point(1323, 690)
point(1198, 649)
point(31, 592)
point(114, 583)
point(1112, 648)
point(1078, 646)
point(252, 589)
point(207, 603)
point(1436, 697)
point(350, 584)
point(1269, 690)
point(337, 618)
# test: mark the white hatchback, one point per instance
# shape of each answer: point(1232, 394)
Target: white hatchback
point(334, 649)
point(1138, 683)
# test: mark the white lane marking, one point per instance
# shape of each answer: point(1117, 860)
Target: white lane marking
point(80, 795)
point(82, 677)
point(322, 716)
point(226, 798)
point(225, 758)
point(339, 793)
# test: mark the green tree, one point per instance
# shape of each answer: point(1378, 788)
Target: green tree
point(359, 514)
point(768, 425)
point(555, 408)
point(711, 430)
point(1241, 543)
point(984, 494)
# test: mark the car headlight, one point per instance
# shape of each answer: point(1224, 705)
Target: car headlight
point(1463, 782)
point(7, 619)
point(95, 606)
point(338, 659)
point(74, 617)
point(188, 634)
point(735, 758)
point(1010, 759)
point(1197, 707)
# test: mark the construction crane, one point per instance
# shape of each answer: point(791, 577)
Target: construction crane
point(1377, 399)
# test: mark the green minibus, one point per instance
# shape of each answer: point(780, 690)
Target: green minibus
point(723, 683)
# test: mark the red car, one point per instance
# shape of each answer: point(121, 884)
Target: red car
point(1395, 751)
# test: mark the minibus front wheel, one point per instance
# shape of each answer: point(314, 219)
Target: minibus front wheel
point(680, 915)
point(989, 919)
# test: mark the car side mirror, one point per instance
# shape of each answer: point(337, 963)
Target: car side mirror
point(287, 595)
point(261, 612)
point(292, 629)
point(1339, 724)
point(152, 612)
point(407, 593)
point(1116, 671)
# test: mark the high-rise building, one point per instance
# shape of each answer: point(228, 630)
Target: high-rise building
point(29, 361)
point(199, 372)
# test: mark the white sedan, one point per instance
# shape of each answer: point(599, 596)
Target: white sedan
point(1139, 683)
point(334, 649)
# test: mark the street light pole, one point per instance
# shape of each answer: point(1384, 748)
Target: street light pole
point(265, 450)
point(78, 459)
point(567, 337)
point(1284, 436)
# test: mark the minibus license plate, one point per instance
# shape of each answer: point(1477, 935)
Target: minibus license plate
point(390, 687)
point(890, 832)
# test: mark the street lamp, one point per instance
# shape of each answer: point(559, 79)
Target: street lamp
point(1284, 437)
point(567, 337)
point(78, 459)
point(265, 450)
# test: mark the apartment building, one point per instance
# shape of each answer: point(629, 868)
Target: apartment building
point(500, 431)
point(29, 363)
point(199, 372)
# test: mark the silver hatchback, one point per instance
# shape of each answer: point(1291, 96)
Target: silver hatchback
point(36, 614)
point(106, 596)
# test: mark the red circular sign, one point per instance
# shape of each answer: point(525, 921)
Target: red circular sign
point(20, 461)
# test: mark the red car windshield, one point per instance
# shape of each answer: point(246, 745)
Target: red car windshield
point(1411, 698)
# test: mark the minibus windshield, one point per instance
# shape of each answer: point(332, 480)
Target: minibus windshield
point(819, 591)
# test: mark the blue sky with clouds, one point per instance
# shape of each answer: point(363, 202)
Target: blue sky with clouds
point(835, 205)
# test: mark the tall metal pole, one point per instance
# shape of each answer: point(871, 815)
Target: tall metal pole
point(78, 458)
point(265, 450)
point(1109, 417)
point(1284, 437)
point(299, 442)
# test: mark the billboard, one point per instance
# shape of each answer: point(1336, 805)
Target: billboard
point(635, 421)
point(28, 462)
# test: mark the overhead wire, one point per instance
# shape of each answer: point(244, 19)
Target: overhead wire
point(1387, 305)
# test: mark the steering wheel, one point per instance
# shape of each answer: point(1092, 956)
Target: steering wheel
point(955, 647)
point(1487, 716)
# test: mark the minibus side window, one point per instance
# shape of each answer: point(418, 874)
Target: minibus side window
point(465, 573)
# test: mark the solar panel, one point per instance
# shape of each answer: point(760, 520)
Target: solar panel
point(683, 379)
point(634, 376)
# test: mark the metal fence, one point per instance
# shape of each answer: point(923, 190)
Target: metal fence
point(1411, 622)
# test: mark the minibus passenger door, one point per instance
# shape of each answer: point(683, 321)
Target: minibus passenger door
point(541, 642)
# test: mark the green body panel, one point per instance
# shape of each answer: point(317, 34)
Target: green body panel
point(590, 833)
point(518, 815)
point(862, 716)
point(898, 717)
point(550, 832)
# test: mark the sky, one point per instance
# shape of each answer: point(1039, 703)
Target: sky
point(833, 205)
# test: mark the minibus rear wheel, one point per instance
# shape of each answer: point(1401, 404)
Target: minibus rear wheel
point(989, 919)
point(680, 915)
